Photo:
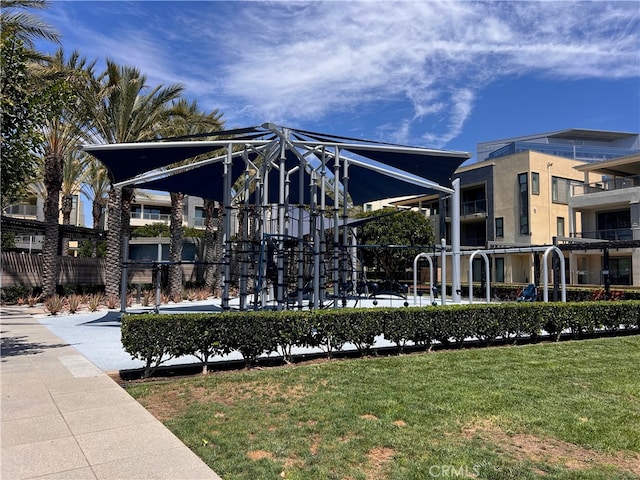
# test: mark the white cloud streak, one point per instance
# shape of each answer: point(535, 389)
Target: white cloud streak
point(294, 61)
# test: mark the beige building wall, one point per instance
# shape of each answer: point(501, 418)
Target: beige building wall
point(543, 212)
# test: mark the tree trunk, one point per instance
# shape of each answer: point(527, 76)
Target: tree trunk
point(219, 255)
point(96, 213)
point(53, 185)
point(67, 208)
point(114, 242)
point(175, 248)
point(209, 245)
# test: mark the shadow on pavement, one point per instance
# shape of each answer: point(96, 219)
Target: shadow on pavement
point(14, 346)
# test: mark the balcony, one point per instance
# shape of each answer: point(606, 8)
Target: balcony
point(611, 234)
point(475, 208)
point(155, 217)
point(22, 210)
point(607, 185)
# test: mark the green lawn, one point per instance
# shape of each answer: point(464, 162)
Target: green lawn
point(567, 410)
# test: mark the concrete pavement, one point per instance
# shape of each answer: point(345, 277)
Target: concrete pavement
point(64, 418)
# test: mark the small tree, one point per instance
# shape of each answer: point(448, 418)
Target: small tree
point(392, 230)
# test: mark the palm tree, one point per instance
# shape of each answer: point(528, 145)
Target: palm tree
point(74, 173)
point(96, 188)
point(125, 112)
point(210, 251)
point(14, 20)
point(185, 119)
point(62, 139)
point(26, 102)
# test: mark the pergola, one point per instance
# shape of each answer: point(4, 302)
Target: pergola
point(277, 171)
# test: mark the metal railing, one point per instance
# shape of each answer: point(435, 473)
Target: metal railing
point(22, 210)
point(162, 217)
point(607, 234)
point(607, 185)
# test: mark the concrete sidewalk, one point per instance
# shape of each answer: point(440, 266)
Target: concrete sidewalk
point(64, 418)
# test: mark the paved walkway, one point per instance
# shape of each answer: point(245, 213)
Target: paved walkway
point(63, 418)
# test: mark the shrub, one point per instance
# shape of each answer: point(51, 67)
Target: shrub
point(54, 304)
point(32, 300)
point(94, 301)
point(250, 333)
point(73, 303)
point(155, 338)
point(112, 301)
point(151, 338)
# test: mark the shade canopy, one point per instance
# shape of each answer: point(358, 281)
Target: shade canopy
point(370, 170)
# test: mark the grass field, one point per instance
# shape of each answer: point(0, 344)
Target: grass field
point(567, 410)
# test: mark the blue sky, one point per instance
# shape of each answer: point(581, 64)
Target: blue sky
point(434, 74)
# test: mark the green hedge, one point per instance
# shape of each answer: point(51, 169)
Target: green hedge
point(156, 338)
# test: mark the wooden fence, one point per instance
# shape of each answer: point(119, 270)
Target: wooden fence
point(26, 270)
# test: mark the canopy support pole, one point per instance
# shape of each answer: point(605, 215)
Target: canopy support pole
point(345, 235)
point(456, 286)
point(281, 226)
point(337, 277)
point(226, 237)
point(300, 285)
point(316, 240)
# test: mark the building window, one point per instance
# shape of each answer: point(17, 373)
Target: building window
point(535, 183)
point(560, 224)
point(523, 186)
point(499, 269)
point(615, 225)
point(620, 271)
point(561, 189)
point(199, 217)
point(368, 207)
point(499, 227)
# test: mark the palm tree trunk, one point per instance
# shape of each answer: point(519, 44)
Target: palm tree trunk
point(175, 248)
point(96, 212)
point(209, 244)
point(114, 242)
point(53, 184)
point(219, 255)
point(67, 207)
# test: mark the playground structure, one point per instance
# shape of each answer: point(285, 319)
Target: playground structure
point(292, 189)
point(270, 173)
point(484, 254)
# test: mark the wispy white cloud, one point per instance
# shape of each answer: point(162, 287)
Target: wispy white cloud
point(305, 61)
point(292, 62)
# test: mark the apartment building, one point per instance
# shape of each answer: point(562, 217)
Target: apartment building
point(32, 208)
point(604, 216)
point(150, 206)
point(522, 195)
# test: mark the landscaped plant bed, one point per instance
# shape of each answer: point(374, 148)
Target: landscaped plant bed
point(558, 410)
point(155, 338)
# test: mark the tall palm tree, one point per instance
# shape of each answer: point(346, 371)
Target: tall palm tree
point(96, 188)
point(62, 138)
point(74, 173)
point(15, 19)
point(210, 251)
point(25, 100)
point(126, 111)
point(186, 119)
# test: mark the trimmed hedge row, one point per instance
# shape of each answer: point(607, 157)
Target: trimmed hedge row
point(156, 338)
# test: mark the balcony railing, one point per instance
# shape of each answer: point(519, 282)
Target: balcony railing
point(161, 217)
point(474, 206)
point(607, 185)
point(608, 234)
point(470, 208)
point(22, 210)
